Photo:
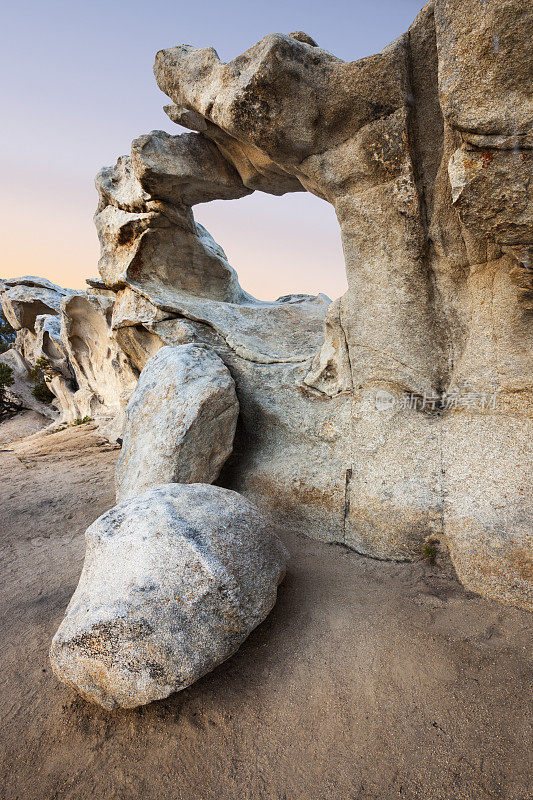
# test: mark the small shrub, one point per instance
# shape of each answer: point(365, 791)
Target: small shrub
point(82, 420)
point(42, 367)
point(8, 405)
point(41, 370)
point(7, 334)
point(430, 552)
point(42, 393)
point(6, 377)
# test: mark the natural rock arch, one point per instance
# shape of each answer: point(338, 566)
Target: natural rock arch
point(413, 184)
point(403, 409)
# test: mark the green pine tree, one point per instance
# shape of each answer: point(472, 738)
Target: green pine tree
point(8, 405)
point(7, 334)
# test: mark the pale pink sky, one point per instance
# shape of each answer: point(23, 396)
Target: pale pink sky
point(78, 87)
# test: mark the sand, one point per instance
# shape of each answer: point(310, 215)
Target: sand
point(369, 680)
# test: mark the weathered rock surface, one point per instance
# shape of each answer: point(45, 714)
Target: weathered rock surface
point(424, 150)
point(485, 67)
point(70, 335)
point(488, 522)
point(286, 330)
point(186, 169)
point(175, 253)
point(154, 236)
point(174, 581)
point(180, 421)
point(428, 169)
point(24, 299)
point(104, 376)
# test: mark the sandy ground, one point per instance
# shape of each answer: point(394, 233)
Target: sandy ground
point(24, 424)
point(369, 680)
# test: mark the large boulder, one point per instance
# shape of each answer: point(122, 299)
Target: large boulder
point(174, 581)
point(180, 421)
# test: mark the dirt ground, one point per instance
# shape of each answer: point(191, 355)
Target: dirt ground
point(369, 680)
point(21, 425)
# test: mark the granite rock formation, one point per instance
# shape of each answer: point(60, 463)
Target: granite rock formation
point(424, 150)
point(403, 409)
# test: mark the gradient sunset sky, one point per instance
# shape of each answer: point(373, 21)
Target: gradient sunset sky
point(78, 87)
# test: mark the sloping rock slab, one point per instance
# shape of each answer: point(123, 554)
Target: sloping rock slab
point(289, 329)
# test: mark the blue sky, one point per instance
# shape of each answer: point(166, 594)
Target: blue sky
point(78, 87)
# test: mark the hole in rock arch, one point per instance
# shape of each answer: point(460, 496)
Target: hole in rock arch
point(279, 245)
